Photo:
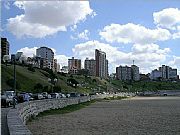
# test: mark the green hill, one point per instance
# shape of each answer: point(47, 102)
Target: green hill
point(26, 80)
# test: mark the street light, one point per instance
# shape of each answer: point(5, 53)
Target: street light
point(53, 82)
point(13, 56)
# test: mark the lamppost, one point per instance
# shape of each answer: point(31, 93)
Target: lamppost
point(13, 57)
point(53, 82)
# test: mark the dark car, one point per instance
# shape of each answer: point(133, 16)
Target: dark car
point(5, 101)
point(74, 94)
point(23, 97)
point(8, 98)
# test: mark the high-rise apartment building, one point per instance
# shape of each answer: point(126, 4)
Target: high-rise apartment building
point(165, 73)
point(90, 65)
point(173, 73)
point(48, 55)
point(135, 73)
point(101, 64)
point(74, 65)
point(123, 73)
point(4, 47)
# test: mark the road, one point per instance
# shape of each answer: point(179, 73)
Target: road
point(4, 127)
point(136, 116)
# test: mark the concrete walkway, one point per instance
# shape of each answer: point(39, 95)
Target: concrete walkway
point(4, 127)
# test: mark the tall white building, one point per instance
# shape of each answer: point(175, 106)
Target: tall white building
point(101, 64)
point(47, 54)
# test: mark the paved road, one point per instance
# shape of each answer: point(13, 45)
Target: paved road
point(138, 116)
point(4, 127)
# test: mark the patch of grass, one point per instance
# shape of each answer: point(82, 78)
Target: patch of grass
point(68, 109)
point(115, 98)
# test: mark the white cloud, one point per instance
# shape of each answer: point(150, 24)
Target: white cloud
point(94, 14)
point(177, 34)
point(132, 33)
point(83, 35)
point(20, 28)
point(147, 57)
point(73, 28)
point(28, 52)
point(43, 18)
point(175, 63)
point(150, 48)
point(167, 18)
point(62, 60)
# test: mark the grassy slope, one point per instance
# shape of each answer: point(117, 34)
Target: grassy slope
point(28, 79)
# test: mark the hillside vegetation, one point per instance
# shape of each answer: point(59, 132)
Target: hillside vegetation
point(27, 81)
point(36, 80)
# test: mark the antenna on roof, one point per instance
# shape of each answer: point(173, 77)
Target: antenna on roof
point(133, 62)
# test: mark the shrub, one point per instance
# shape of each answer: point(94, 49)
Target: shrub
point(57, 89)
point(10, 82)
point(38, 87)
point(30, 68)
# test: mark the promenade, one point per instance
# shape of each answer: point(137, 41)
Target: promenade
point(135, 116)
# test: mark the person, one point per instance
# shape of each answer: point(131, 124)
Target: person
point(14, 102)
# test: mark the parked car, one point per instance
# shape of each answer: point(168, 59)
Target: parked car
point(46, 95)
point(74, 94)
point(37, 96)
point(8, 98)
point(6, 101)
point(62, 95)
point(165, 94)
point(68, 95)
point(55, 95)
point(23, 97)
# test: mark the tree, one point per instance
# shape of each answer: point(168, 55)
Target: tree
point(45, 89)
point(72, 82)
point(84, 72)
point(94, 81)
point(57, 89)
point(30, 68)
point(10, 82)
point(38, 87)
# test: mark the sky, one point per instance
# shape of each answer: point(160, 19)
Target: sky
point(145, 31)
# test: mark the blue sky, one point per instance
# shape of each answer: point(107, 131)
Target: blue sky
point(145, 31)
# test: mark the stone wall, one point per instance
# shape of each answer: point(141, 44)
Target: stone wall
point(17, 118)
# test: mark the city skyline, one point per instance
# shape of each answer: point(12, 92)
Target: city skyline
point(150, 35)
